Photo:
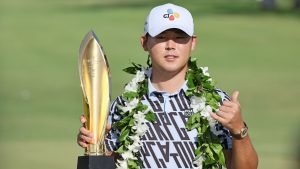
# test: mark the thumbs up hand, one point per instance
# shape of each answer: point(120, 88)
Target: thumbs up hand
point(230, 115)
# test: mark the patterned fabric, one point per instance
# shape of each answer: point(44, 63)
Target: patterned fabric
point(167, 144)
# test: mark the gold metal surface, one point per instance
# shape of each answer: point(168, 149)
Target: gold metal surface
point(95, 85)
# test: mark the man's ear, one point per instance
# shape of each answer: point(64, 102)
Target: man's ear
point(143, 41)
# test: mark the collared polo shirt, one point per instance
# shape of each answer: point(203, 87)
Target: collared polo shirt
point(167, 144)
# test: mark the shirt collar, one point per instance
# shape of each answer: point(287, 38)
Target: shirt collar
point(152, 89)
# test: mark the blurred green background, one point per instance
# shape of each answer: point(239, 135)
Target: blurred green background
point(246, 48)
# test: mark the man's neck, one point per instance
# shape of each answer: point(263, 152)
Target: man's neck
point(168, 81)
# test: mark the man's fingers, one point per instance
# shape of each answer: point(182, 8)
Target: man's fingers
point(235, 96)
point(216, 117)
point(82, 144)
point(83, 138)
point(226, 109)
point(221, 114)
point(228, 103)
point(84, 131)
point(83, 120)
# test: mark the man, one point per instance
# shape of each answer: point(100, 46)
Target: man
point(169, 40)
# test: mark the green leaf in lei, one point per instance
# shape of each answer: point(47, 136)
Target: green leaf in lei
point(150, 116)
point(130, 95)
point(124, 134)
point(130, 70)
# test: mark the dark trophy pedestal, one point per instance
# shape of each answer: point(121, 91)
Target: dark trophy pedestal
point(95, 162)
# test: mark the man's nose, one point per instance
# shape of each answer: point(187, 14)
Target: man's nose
point(170, 44)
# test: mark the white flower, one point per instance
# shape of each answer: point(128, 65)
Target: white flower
point(122, 164)
point(198, 163)
point(206, 111)
point(128, 155)
point(131, 87)
point(139, 77)
point(130, 106)
point(196, 99)
point(197, 103)
point(140, 125)
point(134, 138)
point(136, 145)
point(139, 117)
point(212, 122)
point(140, 129)
point(205, 71)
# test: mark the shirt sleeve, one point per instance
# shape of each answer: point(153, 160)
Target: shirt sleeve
point(112, 136)
point(225, 137)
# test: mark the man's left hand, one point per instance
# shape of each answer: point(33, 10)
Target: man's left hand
point(229, 114)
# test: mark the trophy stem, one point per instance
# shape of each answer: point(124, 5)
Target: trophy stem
point(96, 149)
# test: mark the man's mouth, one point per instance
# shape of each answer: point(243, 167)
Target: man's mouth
point(171, 57)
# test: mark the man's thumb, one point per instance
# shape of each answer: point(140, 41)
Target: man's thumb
point(235, 96)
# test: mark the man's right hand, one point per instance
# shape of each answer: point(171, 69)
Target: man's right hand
point(84, 136)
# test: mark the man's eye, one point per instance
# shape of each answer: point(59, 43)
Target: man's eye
point(181, 37)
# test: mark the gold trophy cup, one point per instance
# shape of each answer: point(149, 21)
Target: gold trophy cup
point(95, 85)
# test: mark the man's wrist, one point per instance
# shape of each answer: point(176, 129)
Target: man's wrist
point(240, 133)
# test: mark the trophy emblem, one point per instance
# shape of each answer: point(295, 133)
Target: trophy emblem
point(95, 85)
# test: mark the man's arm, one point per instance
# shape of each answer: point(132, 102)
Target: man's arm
point(242, 155)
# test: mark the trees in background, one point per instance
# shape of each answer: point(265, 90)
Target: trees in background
point(272, 5)
point(297, 4)
point(268, 4)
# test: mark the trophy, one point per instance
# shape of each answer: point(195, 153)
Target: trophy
point(95, 85)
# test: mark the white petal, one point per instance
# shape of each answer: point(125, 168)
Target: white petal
point(141, 129)
point(139, 117)
point(135, 138)
point(140, 76)
point(134, 102)
point(205, 71)
point(122, 164)
point(129, 106)
point(128, 155)
point(198, 163)
point(131, 87)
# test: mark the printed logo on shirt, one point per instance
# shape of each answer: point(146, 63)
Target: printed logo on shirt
point(188, 112)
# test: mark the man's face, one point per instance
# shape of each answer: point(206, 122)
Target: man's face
point(170, 50)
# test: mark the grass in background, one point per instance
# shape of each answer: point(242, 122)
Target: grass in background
point(246, 49)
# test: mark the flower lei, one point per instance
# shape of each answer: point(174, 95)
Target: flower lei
point(134, 116)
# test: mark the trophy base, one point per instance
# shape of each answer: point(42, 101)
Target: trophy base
point(96, 162)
